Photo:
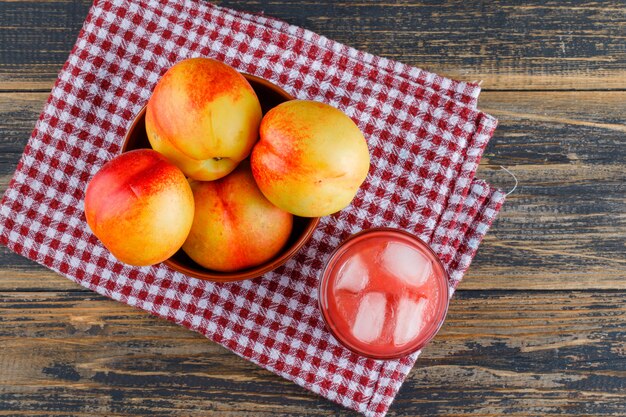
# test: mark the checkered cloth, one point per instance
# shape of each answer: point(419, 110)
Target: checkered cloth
point(424, 133)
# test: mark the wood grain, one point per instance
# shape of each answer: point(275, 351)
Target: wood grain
point(577, 45)
point(520, 354)
point(564, 228)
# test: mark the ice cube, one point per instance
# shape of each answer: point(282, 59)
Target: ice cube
point(406, 263)
point(347, 305)
point(353, 276)
point(370, 317)
point(409, 320)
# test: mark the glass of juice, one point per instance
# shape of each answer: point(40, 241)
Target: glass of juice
point(384, 293)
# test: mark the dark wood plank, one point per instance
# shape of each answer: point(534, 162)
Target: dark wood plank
point(564, 228)
point(510, 45)
point(499, 353)
point(36, 38)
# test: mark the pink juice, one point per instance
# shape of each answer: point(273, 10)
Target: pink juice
point(384, 293)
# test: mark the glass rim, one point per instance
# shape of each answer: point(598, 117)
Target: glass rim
point(435, 324)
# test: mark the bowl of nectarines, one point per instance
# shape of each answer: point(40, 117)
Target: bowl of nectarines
point(270, 95)
point(224, 176)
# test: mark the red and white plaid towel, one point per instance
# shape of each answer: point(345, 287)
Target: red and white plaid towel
point(425, 137)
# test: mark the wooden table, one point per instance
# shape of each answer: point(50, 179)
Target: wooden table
point(538, 326)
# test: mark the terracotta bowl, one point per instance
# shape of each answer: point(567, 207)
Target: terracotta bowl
point(270, 96)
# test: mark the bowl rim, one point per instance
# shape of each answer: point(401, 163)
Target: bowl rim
point(322, 295)
point(253, 272)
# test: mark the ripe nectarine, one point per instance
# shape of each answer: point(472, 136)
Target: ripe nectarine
point(140, 206)
point(311, 158)
point(204, 117)
point(235, 227)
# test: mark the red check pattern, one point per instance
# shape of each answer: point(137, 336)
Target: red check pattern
point(424, 133)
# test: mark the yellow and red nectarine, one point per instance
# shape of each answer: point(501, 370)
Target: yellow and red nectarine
point(140, 206)
point(204, 117)
point(311, 158)
point(235, 226)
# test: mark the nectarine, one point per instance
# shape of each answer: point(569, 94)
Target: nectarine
point(204, 117)
point(311, 158)
point(234, 226)
point(140, 206)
